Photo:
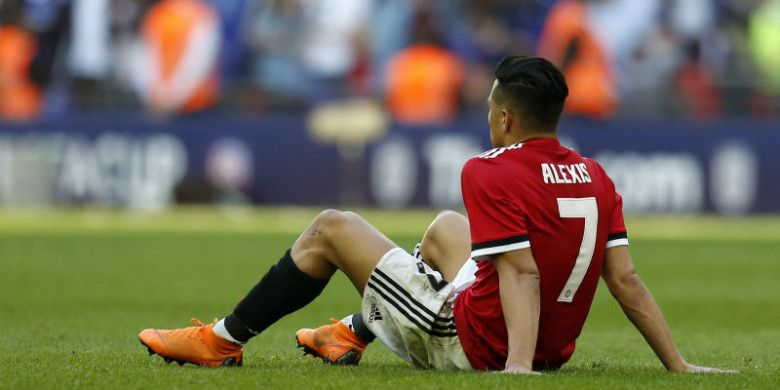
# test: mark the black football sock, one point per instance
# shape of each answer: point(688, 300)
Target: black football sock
point(360, 328)
point(283, 290)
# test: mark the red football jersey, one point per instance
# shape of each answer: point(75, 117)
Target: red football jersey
point(541, 195)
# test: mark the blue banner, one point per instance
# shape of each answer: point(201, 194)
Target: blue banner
point(725, 167)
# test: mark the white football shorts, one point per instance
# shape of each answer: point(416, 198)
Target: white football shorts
point(408, 306)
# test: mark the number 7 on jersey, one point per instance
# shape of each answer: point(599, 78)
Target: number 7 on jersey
point(580, 208)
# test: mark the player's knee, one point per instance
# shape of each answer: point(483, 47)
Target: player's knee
point(333, 222)
point(349, 222)
point(434, 230)
point(429, 247)
point(351, 215)
point(436, 236)
point(449, 214)
point(444, 213)
point(447, 220)
point(331, 218)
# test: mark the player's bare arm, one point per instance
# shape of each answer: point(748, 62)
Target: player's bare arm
point(519, 289)
point(642, 310)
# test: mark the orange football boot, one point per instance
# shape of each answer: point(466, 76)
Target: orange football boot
point(196, 344)
point(335, 343)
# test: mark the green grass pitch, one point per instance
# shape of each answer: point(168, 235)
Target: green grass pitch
point(76, 287)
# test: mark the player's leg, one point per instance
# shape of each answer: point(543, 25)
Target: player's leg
point(334, 240)
point(445, 247)
point(345, 241)
point(446, 244)
point(340, 240)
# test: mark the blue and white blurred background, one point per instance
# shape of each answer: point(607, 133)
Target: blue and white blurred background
point(144, 104)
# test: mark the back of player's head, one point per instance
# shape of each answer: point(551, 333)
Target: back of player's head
point(533, 87)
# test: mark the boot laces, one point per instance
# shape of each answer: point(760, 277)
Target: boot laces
point(197, 322)
point(192, 332)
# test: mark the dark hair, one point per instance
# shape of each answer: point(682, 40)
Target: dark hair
point(534, 87)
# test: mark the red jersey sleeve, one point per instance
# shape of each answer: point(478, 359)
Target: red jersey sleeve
point(617, 229)
point(496, 217)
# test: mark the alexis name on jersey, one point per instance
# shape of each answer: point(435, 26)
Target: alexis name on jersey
point(565, 173)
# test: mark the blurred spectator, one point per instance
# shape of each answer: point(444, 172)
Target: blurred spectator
point(232, 14)
point(568, 41)
point(89, 56)
point(49, 21)
point(391, 23)
point(650, 73)
point(484, 37)
point(653, 58)
point(691, 19)
point(423, 80)
point(125, 20)
point(621, 27)
point(20, 99)
point(765, 44)
point(695, 86)
point(274, 35)
point(333, 45)
point(489, 30)
point(727, 54)
point(180, 50)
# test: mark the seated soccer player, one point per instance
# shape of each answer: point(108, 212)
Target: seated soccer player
point(508, 289)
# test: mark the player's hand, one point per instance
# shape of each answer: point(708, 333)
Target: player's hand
point(707, 370)
point(519, 370)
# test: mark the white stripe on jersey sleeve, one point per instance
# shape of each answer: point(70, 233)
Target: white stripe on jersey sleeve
point(617, 242)
point(499, 249)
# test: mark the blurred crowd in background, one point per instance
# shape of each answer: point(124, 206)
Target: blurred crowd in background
point(427, 61)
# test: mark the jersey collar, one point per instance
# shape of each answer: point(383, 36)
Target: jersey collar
point(542, 142)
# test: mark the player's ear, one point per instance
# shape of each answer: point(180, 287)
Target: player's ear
point(506, 120)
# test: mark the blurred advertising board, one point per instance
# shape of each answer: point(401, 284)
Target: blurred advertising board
point(724, 167)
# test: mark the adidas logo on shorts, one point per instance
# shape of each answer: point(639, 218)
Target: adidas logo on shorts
point(375, 314)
